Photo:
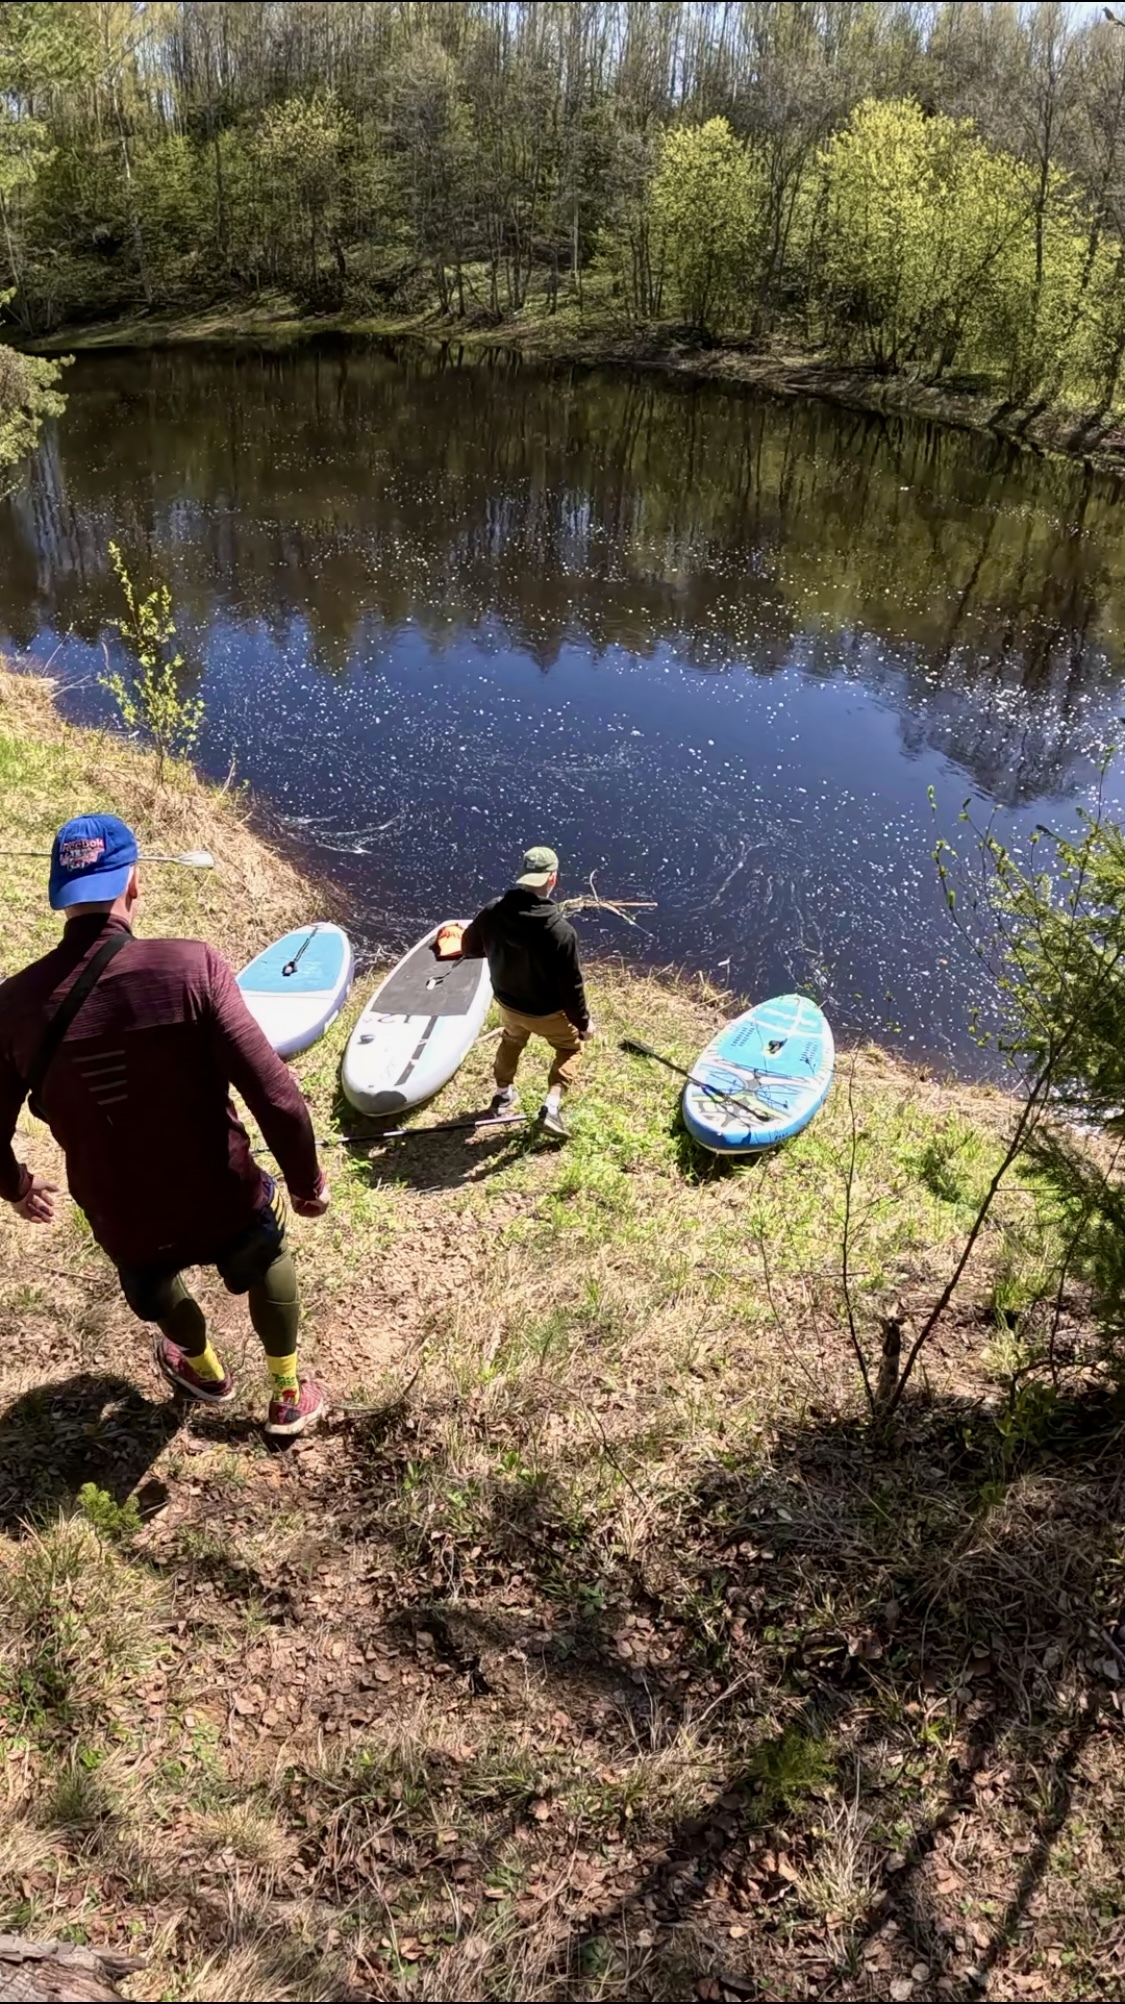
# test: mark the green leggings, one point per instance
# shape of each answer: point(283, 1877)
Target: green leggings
point(257, 1263)
point(274, 1303)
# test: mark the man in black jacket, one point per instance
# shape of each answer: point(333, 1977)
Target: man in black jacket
point(532, 955)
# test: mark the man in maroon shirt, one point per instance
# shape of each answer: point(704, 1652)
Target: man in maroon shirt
point(138, 1096)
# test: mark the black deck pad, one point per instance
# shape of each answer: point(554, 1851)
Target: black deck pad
point(427, 986)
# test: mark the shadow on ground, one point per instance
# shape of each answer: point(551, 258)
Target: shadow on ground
point(835, 1720)
point(88, 1428)
point(904, 1655)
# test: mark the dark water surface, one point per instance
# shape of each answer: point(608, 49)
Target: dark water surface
point(712, 647)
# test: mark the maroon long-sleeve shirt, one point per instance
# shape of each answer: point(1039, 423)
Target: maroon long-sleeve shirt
point(138, 1095)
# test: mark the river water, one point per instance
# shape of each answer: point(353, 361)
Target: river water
point(714, 647)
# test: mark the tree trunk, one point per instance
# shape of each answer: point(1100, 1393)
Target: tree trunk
point(134, 217)
point(13, 265)
point(220, 195)
point(890, 1364)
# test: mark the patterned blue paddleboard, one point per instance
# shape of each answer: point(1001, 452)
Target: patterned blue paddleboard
point(762, 1078)
point(299, 985)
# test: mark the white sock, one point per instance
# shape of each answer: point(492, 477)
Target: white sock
point(554, 1098)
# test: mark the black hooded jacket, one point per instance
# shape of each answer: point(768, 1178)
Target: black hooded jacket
point(532, 954)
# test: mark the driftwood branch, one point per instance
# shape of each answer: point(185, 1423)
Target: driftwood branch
point(48, 1972)
point(592, 901)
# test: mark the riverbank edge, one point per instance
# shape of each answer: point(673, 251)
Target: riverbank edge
point(28, 707)
point(1095, 439)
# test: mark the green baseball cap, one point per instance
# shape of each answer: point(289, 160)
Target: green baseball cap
point(539, 866)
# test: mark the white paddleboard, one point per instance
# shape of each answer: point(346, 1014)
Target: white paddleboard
point(415, 1031)
point(299, 985)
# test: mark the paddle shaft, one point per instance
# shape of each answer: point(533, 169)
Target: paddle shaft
point(435, 1127)
point(644, 1050)
point(291, 966)
point(192, 859)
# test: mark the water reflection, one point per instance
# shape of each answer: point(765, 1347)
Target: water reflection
point(760, 631)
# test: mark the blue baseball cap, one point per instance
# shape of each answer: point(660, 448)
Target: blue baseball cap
point(91, 861)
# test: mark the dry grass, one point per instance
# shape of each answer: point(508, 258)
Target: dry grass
point(48, 770)
point(598, 1650)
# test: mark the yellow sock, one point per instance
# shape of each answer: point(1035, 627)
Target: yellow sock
point(207, 1364)
point(283, 1371)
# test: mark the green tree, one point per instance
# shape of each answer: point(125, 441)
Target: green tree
point(27, 396)
point(1057, 941)
point(937, 252)
point(149, 698)
point(706, 205)
point(630, 243)
point(299, 145)
point(1050, 931)
point(434, 166)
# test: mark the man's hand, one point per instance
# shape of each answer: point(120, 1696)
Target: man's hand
point(588, 1032)
point(36, 1201)
point(312, 1207)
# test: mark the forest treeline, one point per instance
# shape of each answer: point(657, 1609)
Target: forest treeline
point(933, 189)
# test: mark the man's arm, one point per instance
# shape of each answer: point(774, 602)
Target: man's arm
point(572, 988)
point(269, 1089)
point(477, 936)
point(30, 1195)
point(12, 1172)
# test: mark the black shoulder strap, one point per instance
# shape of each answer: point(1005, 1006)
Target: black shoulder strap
point(65, 1014)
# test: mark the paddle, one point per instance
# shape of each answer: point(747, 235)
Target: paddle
point(192, 859)
point(406, 1133)
point(435, 1127)
point(291, 966)
point(759, 1108)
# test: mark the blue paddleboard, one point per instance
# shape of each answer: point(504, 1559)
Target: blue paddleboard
point(299, 985)
point(762, 1078)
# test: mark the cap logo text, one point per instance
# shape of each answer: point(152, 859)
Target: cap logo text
point(79, 852)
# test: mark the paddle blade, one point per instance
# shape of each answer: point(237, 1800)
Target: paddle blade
point(642, 1049)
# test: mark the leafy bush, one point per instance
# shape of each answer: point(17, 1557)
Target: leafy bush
point(149, 698)
point(27, 396)
point(116, 1522)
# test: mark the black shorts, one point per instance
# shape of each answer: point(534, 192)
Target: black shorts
point(151, 1291)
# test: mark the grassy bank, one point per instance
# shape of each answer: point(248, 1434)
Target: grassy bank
point(596, 1650)
point(597, 336)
